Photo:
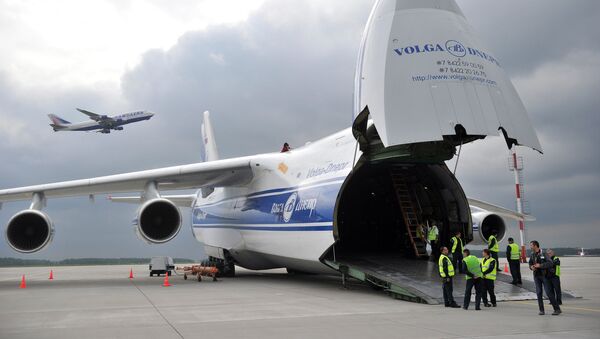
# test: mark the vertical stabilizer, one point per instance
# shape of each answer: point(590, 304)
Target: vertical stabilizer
point(208, 139)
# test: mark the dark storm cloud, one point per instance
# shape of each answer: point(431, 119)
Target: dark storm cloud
point(525, 34)
point(286, 74)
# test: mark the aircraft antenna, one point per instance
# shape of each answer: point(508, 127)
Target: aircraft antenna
point(515, 164)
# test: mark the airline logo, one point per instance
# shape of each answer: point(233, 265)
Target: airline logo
point(290, 204)
point(293, 205)
point(452, 47)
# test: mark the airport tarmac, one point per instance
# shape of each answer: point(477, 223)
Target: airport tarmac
point(101, 302)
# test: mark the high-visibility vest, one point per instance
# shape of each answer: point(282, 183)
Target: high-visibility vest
point(556, 267)
point(473, 266)
point(420, 232)
point(485, 264)
point(495, 248)
point(455, 242)
point(432, 235)
point(514, 251)
point(441, 265)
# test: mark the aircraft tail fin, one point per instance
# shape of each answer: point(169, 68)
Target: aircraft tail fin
point(58, 121)
point(208, 139)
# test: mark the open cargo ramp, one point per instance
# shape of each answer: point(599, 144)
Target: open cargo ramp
point(419, 280)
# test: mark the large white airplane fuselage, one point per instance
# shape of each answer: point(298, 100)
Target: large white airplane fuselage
point(284, 217)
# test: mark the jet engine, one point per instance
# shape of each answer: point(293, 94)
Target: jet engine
point(484, 224)
point(158, 221)
point(29, 231)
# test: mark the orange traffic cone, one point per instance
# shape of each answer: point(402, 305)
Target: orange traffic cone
point(23, 284)
point(131, 273)
point(166, 282)
point(51, 277)
point(505, 268)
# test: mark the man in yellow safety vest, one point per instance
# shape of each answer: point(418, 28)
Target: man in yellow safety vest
point(447, 272)
point(433, 235)
point(493, 244)
point(489, 268)
point(554, 276)
point(513, 255)
point(472, 268)
point(457, 250)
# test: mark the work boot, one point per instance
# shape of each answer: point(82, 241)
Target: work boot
point(455, 305)
point(465, 308)
point(493, 305)
point(557, 312)
point(541, 313)
point(477, 308)
point(487, 305)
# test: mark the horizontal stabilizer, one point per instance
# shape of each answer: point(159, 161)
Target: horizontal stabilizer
point(501, 211)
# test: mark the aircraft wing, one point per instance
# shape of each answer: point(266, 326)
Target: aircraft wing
point(182, 200)
point(501, 211)
point(219, 173)
point(94, 116)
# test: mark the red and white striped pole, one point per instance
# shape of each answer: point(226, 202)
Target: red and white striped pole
point(519, 202)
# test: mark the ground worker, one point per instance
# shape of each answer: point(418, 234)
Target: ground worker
point(513, 255)
point(421, 232)
point(540, 264)
point(555, 276)
point(489, 267)
point(447, 272)
point(457, 250)
point(472, 268)
point(433, 235)
point(493, 245)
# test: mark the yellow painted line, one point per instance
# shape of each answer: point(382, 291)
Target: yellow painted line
point(562, 307)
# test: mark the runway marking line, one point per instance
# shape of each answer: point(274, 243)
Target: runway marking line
point(562, 307)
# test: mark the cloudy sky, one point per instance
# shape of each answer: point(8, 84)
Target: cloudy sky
point(263, 68)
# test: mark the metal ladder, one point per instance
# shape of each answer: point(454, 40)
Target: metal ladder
point(409, 213)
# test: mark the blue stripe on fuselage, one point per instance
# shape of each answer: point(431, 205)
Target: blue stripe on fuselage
point(286, 209)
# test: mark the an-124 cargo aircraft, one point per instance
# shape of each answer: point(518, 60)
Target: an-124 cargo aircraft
point(101, 123)
point(425, 84)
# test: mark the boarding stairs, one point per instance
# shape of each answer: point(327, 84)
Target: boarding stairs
point(410, 214)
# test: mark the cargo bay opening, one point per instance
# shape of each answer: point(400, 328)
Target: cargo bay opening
point(380, 206)
point(377, 213)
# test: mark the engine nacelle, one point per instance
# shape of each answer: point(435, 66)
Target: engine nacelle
point(158, 221)
point(483, 225)
point(29, 231)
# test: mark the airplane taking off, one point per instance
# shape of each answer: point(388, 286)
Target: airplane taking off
point(101, 123)
point(424, 85)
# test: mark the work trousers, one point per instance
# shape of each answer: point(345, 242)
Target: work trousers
point(488, 288)
point(515, 271)
point(495, 256)
point(448, 289)
point(555, 283)
point(543, 282)
point(469, 289)
point(457, 262)
point(435, 250)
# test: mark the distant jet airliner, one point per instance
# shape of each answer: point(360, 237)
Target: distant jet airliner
point(101, 123)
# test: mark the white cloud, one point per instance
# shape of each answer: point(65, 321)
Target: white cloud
point(70, 43)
